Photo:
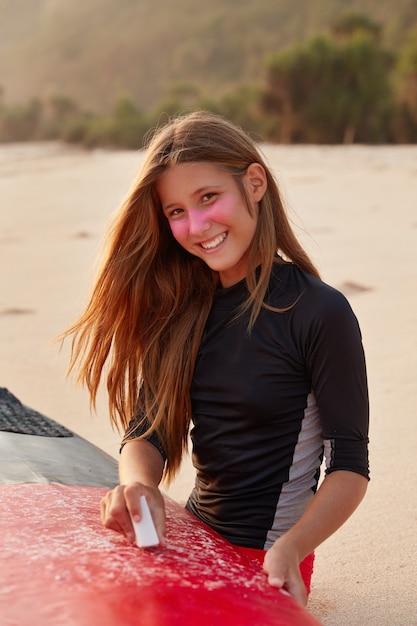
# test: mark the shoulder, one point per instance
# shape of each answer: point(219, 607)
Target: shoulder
point(289, 284)
point(311, 302)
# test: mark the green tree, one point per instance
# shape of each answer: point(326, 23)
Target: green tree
point(329, 90)
point(124, 127)
point(352, 23)
point(61, 113)
point(364, 82)
point(21, 122)
point(129, 124)
point(242, 107)
point(405, 119)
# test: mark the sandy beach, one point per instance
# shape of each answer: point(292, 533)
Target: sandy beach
point(356, 211)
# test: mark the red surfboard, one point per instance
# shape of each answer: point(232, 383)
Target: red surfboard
point(61, 567)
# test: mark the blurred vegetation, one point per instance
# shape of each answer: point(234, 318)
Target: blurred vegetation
point(335, 88)
point(343, 86)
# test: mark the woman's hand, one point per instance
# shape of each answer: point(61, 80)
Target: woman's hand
point(282, 566)
point(335, 500)
point(141, 467)
point(120, 505)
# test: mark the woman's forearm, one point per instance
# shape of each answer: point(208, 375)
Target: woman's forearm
point(337, 498)
point(140, 462)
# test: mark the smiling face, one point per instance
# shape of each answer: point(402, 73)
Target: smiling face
point(208, 214)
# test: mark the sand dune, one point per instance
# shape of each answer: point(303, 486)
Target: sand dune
point(355, 209)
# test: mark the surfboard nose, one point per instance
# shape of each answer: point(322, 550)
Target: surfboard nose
point(36, 449)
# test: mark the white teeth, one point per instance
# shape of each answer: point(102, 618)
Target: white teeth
point(214, 243)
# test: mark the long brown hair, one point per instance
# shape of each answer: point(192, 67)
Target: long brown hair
point(145, 319)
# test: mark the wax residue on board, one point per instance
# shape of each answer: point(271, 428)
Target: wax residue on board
point(61, 567)
point(68, 544)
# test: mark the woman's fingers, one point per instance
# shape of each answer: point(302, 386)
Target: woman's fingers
point(122, 504)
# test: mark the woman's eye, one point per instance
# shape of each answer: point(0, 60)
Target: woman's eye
point(208, 196)
point(173, 213)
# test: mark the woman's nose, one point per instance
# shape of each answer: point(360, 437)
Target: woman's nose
point(198, 222)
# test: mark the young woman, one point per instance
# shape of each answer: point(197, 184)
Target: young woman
point(208, 313)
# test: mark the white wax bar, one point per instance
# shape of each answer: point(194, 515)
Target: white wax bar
point(145, 531)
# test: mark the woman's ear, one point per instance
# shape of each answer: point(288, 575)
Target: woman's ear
point(256, 183)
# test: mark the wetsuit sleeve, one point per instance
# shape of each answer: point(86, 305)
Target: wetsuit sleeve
point(336, 363)
point(137, 427)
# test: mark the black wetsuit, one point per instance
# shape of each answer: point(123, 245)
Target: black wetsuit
point(266, 404)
